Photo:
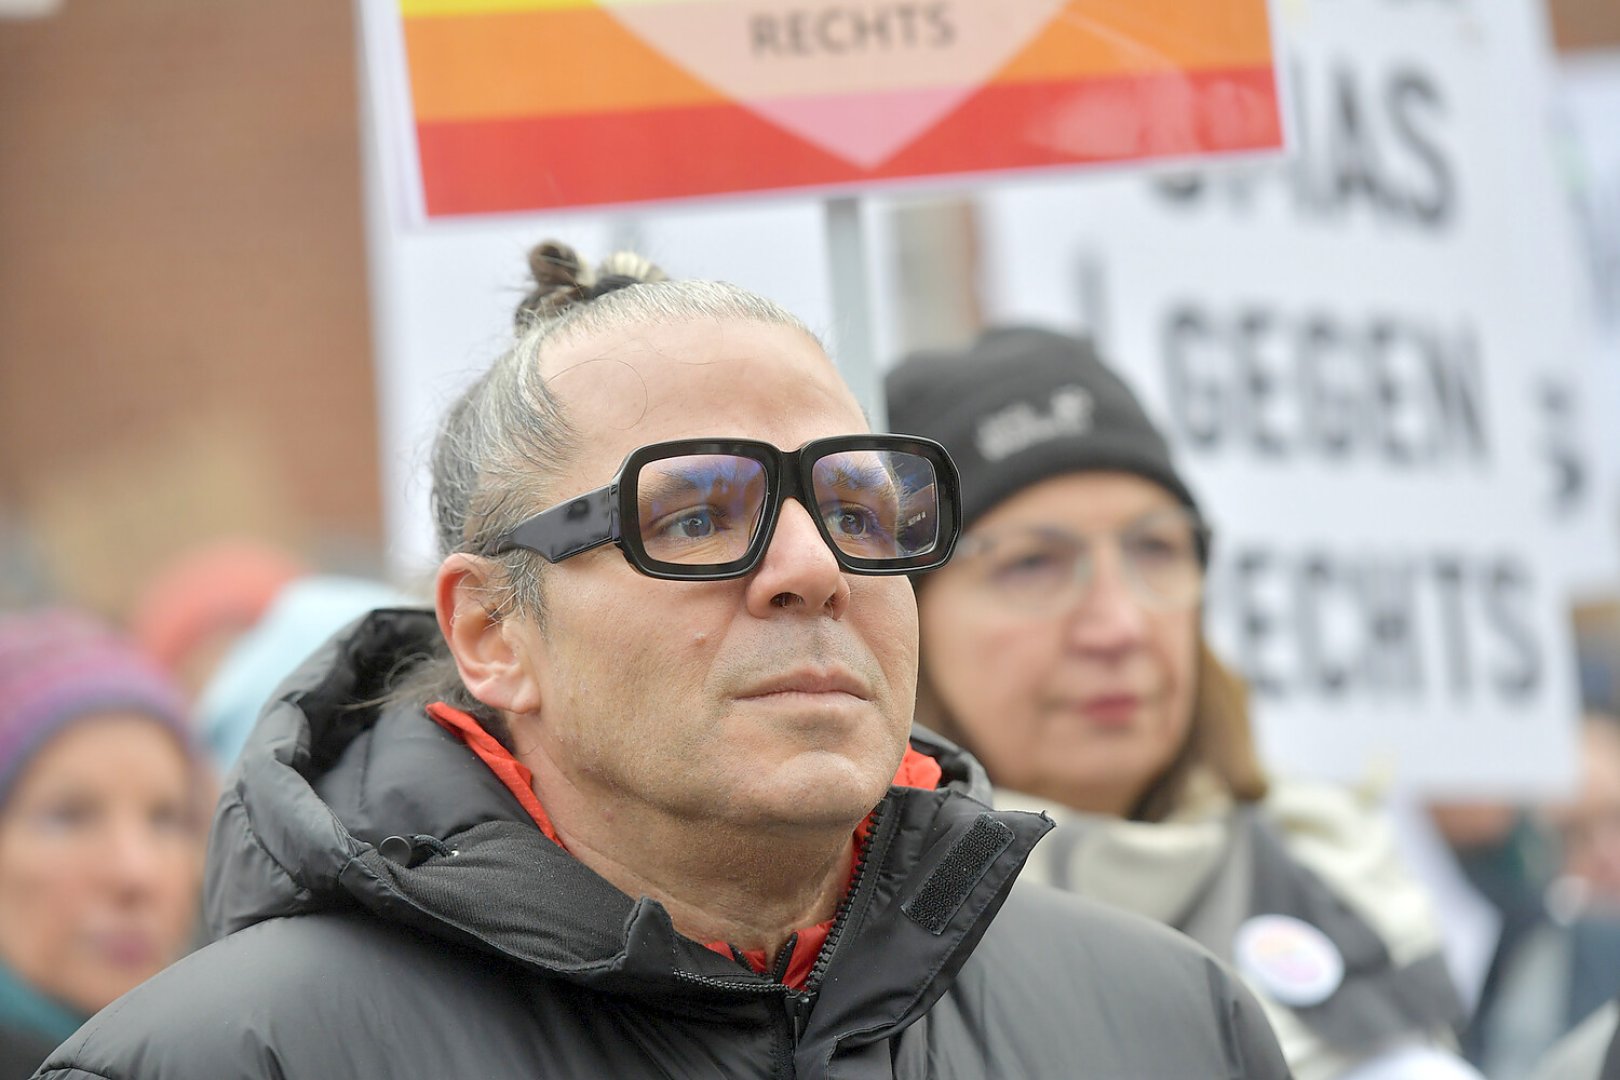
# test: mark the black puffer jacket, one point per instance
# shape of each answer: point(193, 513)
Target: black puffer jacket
point(21, 1049)
point(496, 954)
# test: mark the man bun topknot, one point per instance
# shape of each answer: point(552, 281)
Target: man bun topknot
point(562, 280)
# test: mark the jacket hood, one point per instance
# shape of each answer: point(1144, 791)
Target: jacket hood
point(330, 772)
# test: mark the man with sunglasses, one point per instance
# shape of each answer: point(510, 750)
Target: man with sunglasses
point(641, 797)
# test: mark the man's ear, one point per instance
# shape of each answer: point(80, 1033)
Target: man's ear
point(488, 651)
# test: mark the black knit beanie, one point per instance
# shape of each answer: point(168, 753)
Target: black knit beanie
point(1023, 404)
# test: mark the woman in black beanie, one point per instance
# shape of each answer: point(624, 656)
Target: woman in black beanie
point(1063, 646)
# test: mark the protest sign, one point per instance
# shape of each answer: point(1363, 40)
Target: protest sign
point(516, 105)
point(1371, 363)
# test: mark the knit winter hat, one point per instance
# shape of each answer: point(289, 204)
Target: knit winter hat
point(220, 585)
point(1022, 404)
point(59, 666)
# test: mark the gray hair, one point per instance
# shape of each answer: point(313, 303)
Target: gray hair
point(504, 442)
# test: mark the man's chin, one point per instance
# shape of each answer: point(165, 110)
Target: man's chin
point(824, 789)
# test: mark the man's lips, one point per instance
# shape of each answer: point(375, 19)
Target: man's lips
point(825, 683)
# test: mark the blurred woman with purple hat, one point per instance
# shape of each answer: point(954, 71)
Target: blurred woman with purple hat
point(99, 827)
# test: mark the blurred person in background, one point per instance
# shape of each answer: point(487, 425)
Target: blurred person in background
point(99, 826)
point(640, 797)
point(1488, 863)
point(1590, 1052)
point(1549, 874)
point(299, 620)
point(1063, 647)
point(1588, 825)
point(1561, 963)
point(200, 602)
point(232, 618)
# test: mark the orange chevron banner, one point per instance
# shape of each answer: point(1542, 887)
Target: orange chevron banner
point(536, 104)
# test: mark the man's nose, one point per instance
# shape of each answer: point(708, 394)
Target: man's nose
point(1106, 616)
point(798, 570)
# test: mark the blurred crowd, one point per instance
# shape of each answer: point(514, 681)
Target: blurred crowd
point(115, 735)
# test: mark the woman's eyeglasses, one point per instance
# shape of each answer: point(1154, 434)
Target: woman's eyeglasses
point(1161, 557)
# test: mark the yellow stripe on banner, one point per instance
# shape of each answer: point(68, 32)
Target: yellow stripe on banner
point(539, 63)
point(435, 9)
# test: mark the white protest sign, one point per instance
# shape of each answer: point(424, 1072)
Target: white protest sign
point(1371, 367)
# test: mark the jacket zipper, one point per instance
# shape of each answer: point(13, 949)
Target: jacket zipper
point(800, 1002)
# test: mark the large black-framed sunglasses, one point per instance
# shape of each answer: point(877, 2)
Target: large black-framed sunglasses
point(705, 509)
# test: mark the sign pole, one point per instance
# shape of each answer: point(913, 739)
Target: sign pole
point(852, 307)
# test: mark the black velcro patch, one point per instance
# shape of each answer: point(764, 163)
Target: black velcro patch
point(947, 888)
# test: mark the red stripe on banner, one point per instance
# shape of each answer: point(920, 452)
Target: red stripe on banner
point(502, 165)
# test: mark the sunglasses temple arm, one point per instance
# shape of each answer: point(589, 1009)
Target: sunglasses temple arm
point(572, 527)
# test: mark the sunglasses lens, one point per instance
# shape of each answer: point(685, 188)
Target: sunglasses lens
point(702, 513)
point(878, 504)
point(699, 509)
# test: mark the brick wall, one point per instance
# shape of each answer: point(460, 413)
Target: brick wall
point(184, 340)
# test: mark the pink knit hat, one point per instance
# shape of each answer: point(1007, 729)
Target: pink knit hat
point(222, 585)
point(58, 666)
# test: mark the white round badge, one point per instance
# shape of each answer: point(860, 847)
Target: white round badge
point(1289, 959)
